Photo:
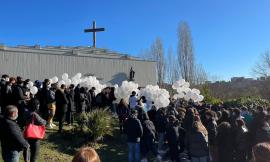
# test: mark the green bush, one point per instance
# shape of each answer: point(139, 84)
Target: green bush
point(250, 102)
point(208, 98)
point(96, 124)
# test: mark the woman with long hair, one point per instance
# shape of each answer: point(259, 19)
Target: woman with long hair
point(122, 112)
point(225, 142)
point(31, 116)
point(197, 142)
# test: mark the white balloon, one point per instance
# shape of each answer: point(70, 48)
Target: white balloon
point(194, 97)
point(33, 90)
point(31, 84)
point(200, 98)
point(187, 98)
point(194, 90)
point(65, 76)
point(61, 82)
point(55, 79)
point(186, 84)
point(78, 75)
point(68, 81)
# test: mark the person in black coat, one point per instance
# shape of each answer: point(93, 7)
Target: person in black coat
point(161, 122)
point(31, 116)
point(6, 93)
point(149, 135)
point(196, 142)
point(82, 101)
point(123, 112)
point(71, 106)
point(89, 101)
point(225, 142)
point(152, 113)
point(134, 131)
point(172, 136)
point(44, 98)
point(225, 117)
point(18, 96)
point(12, 140)
point(61, 106)
point(211, 126)
point(77, 96)
point(241, 141)
point(263, 131)
point(93, 96)
point(4, 80)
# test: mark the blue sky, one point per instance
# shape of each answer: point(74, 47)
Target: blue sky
point(228, 35)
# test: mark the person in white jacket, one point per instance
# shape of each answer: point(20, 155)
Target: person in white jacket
point(133, 100)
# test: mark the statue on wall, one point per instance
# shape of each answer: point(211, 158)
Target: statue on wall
point(131, 74)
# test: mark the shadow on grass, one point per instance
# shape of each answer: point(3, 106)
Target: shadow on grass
point(67, 142)
point(110, 149)
point(114, 149)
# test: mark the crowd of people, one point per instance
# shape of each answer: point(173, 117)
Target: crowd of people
point(196, 131)
point(182, 131)
point(18, 108)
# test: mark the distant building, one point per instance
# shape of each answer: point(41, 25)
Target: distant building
point(241, 79)
point(237, 79)
point(36, 62)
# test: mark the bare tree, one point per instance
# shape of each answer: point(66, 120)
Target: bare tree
point(157, 53)
point(214, 78)
point(146, 54)
point(172, 69)
point(262, 68)
point(185, 52)
point(200, 75)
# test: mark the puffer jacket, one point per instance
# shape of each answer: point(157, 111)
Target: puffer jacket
point(197, 144)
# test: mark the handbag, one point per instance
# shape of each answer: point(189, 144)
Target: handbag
point(33, 131)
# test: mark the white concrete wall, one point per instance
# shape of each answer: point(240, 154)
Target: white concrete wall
point(39, 66)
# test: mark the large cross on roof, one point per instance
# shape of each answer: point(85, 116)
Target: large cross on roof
point(94, 30)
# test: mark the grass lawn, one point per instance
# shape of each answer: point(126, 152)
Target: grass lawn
point(61, 147)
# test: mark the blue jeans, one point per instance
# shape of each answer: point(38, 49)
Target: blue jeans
point(11, 156)
point(133, 148)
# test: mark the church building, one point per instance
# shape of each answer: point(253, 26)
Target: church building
point(38, 63)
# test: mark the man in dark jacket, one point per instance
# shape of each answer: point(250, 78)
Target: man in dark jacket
point(149, 134)
point(77, 96)
point(173, 131)
point(71, 107)
point(263, 131)
point(152, 113)
point(12, 140)
point(45, 98)
point(161, 122)
point(82, 100)
point(6, 93)
point(3, 81)
point(134, 131)
point(19, 98)
point(93, 97)
point(211, 126)
point(61, 106)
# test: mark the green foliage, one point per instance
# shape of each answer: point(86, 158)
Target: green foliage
point(96, 124)
point(208, 98)
point(250, 102)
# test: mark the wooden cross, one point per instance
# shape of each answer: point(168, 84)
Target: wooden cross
point(94, 30)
